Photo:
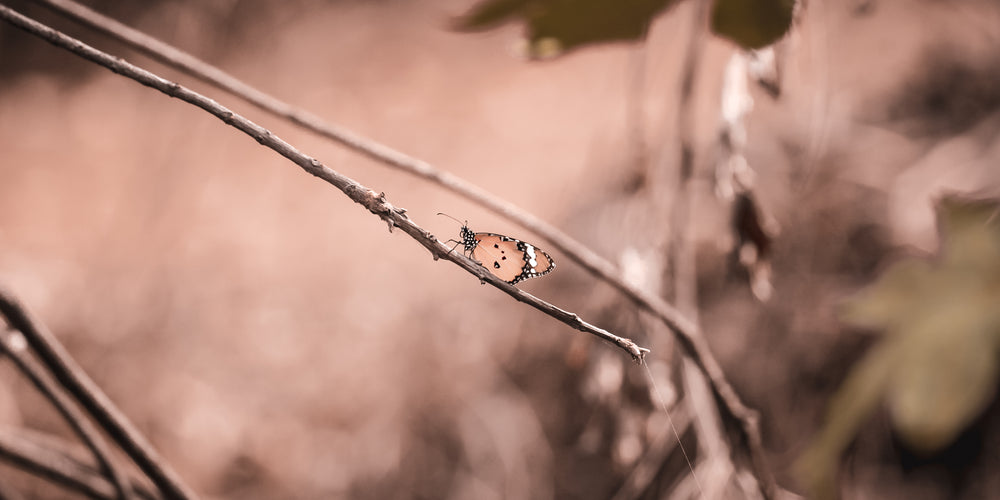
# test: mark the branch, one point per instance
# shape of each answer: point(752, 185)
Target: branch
point(55, 357)
point(374, 202)
point(58, 464)
point(186, 63)
point(73, 416)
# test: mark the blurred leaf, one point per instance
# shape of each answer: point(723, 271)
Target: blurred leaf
point(942, 383)
point(849, 407)
point(938, 365)
point(556, 26)
point(752, 24)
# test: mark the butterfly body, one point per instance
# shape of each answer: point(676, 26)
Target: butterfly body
point(509, 259)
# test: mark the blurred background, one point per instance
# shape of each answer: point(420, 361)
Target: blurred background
point(273, 340)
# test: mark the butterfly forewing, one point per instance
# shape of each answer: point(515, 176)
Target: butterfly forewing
point(510, 259)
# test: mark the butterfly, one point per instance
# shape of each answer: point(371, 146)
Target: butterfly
point(509, 259)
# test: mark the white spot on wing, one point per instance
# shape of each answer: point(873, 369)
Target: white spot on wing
point(530, 250)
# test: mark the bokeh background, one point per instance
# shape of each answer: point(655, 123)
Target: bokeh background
point(273, 340)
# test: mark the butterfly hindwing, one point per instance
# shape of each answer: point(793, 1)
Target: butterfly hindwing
point(500, 255)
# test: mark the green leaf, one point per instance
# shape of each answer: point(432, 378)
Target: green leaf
point(556, 26)
point(937, 368)
point(752, 24)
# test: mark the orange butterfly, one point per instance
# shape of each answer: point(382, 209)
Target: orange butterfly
point(509, 259)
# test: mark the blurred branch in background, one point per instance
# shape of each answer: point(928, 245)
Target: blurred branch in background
point(61, 365)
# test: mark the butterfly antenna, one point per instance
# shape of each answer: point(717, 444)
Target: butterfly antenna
point(454, 219)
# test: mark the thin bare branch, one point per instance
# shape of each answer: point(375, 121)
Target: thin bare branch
point(43, 458)
point(73, 416)
point(58, 361)
point(384, 154)
point(375, 203)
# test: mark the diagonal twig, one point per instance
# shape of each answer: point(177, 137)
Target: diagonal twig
point(374, 202)
point(55, 357)
point(191, 65)
point(73, 416)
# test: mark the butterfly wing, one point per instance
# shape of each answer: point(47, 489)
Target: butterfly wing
point(510, 259)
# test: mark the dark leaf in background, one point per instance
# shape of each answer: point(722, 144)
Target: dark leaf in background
point(557, 26)
point(752, 24)
point(937, 367)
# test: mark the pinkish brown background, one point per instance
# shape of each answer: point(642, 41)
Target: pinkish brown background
point(273, 340)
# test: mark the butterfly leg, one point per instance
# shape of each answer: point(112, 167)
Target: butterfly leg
point(456, 244)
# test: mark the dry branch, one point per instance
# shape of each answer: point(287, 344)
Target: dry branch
point(375, 203)
point(185, 62)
